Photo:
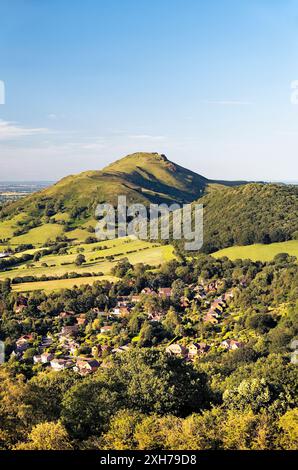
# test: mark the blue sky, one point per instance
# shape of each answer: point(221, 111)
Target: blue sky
point(208, 83)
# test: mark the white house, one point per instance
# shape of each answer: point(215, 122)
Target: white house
point(61, 364)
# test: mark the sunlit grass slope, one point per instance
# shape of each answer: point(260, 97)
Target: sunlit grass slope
point(259, 252)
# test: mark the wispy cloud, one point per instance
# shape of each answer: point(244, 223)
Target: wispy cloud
point(12, 131)
point(228, 102)
point(55, 117)
point(147, 137)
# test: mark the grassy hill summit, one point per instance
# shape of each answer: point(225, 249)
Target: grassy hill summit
point(157, 179)
point(235, 213)
point(141, 177)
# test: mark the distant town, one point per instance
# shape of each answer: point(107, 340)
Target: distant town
point(13, 190)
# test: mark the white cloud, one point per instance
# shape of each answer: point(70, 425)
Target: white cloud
point(12, 131)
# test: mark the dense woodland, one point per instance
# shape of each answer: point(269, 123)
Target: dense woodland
point(145, 397)
point(248, 214)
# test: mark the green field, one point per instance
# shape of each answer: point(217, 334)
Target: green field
point(137, 251)
point(8, 227)
point(61, 216)
point(259, 252)
point(60, 284)
point(39, 235)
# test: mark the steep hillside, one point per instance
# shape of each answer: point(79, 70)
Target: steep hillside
point(254, 213)
point(141, 177)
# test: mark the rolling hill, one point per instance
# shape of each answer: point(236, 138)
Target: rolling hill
point(69, 205)
point(234, 213)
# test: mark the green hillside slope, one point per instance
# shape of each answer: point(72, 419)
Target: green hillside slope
point(71, 202)
point(259, 252)
point(254, 213)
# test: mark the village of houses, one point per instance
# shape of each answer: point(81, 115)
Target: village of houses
point(68, 335)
